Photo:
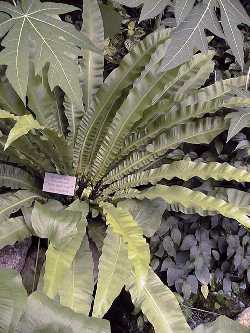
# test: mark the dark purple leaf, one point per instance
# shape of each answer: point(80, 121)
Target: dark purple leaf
point(188, 242)
point(176, 236)
point(173, 274)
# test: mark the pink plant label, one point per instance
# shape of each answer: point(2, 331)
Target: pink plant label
point(59, 184)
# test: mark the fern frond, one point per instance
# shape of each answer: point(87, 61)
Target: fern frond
point(42, 101)
point(78, 284)
point(16, 178)
point(23, 152)
point(177, 207)
point(200, 131)
point(141, 96)
point(13, 230)
point(159, 305)
point(13, 298)
point(95, 122)
point(114, 268)
point(195, 81)
point(236, 197)
point(186, 73)
point(9, 100)
point(60, 151)
point(218, 89)
point(175, 116)
point(146, 213)
point(12, 202)
point(191, 199)
point(185, 169)
point(123, 224)
point(74, 115)
point(93, 63)
point(59, 260)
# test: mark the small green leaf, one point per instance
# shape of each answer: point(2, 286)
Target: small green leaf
point(205, 290)
point(23, 125)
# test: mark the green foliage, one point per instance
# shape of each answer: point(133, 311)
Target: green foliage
point(223, 325)
point(112, 145)
point(12, 300)
point(191, 21)
point(31, 22)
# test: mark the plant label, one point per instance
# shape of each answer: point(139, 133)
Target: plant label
point(59, 184)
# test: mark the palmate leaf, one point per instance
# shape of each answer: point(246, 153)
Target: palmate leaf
point(95, 122)
point(233, 14)
point(182, 9)
point(191, 22)
point(13, 230)
point(59, 260)
point(238, 120)
point(190, 32)
point(190, 199)
point(123, 224)
point(77, 288)
point(184, 169)
point(159, 305)
point(33, 33)
point(141, 96)
point(200, 131)
point(150, 9)
point(114, 268)
point(46, 316)
point(190, 35)
point(13, 299)
point(12, 202)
